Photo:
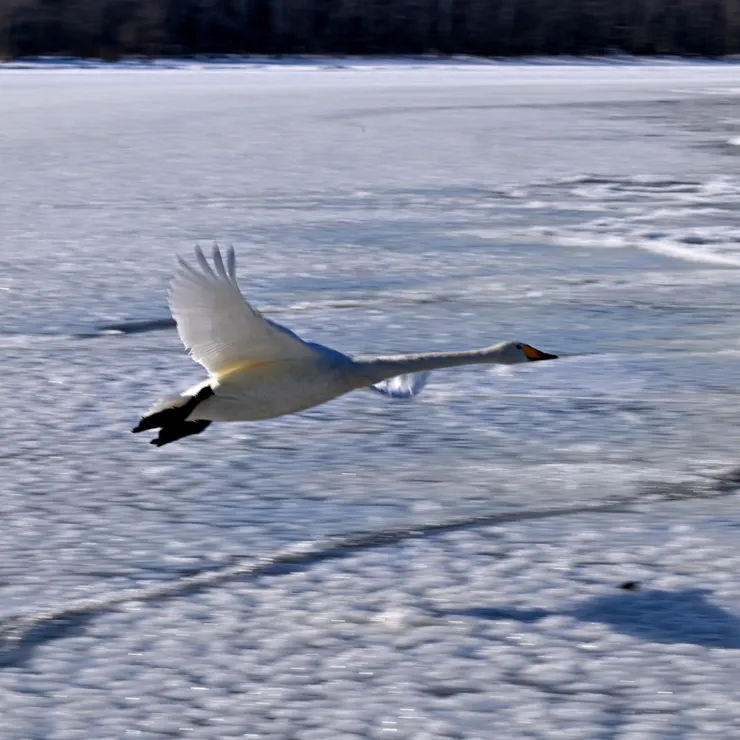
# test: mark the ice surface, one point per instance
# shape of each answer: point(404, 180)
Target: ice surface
point(219, 587)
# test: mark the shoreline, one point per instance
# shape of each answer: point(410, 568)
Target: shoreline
point(325, 62)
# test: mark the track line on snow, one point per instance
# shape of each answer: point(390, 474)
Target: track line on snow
point(18, 635)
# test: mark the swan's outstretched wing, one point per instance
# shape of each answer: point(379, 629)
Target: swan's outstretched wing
point(221, 330)
point(403, 386)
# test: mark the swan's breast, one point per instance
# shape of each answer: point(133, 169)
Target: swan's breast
point(267, 390)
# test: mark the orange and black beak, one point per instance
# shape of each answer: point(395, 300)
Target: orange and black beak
point(534, 355)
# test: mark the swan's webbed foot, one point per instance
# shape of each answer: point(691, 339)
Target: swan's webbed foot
point(172, 422)
point(174, 432)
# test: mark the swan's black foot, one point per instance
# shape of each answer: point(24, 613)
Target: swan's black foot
point(163, 418)
point(172, 421)
point(178, 431)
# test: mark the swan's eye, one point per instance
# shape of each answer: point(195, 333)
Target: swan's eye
point(519, 346)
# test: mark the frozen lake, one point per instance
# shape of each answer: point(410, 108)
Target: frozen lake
point(591, 211)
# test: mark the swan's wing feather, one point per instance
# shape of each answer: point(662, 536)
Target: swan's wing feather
point(221, 330)
point(403, 386)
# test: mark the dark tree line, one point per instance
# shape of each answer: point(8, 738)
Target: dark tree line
point(111, 29)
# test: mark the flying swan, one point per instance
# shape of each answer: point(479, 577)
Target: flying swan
point(259, 370)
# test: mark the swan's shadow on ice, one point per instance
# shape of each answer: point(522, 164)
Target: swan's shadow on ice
point(501, 613)
point(653, 615)
point(686, 616)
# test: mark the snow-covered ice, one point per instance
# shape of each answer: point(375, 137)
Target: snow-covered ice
point(443, 568)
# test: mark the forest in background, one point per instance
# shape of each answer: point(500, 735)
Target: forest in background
point(114, 29)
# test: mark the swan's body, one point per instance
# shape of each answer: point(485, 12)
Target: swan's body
point(259, 369)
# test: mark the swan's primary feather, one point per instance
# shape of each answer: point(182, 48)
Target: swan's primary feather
point(221, 330)
point(403, 386)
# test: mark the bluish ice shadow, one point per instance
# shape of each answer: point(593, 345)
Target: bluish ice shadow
point(653, 615)
point(512, 613)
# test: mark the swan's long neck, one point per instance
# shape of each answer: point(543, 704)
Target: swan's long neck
point(383, 368)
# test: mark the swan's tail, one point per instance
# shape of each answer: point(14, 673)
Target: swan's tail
point(403, 386)
point(170, 416)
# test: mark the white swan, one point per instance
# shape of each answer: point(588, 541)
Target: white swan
point(258, 369)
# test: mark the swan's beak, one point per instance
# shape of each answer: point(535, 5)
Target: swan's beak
point(533, 355)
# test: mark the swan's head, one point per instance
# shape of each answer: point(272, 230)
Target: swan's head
point(513, 353)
